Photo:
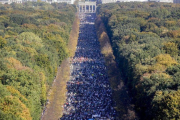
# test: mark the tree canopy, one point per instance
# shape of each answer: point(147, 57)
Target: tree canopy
point(33, 43)
point(145, 41)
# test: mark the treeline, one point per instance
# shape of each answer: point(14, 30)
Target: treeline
point(33, 43)
point(123, 108)
point(146, 43)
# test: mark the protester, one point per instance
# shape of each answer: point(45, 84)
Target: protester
point(89, 96)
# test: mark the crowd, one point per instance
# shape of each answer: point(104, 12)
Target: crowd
point(89, 96)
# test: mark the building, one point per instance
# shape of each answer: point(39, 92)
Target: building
point(87, 6)
point(48, 1)
point(60, 1)
point(132, 0)
point(112, 1)
point(5, 1)
point(108, 1)
point(166, 1)
point(10, 1)
point(66, 1)
point(153, 0)
point(176, 1)
point(15, 1)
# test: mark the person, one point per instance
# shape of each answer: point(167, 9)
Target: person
point(88, 92)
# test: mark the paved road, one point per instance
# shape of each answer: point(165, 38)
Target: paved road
point(89, 96)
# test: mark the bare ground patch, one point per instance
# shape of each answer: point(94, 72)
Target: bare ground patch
point(57, 97)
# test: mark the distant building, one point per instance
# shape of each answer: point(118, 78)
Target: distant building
point(15, 1)
point(5, 1)
point(176, 1)
point(132, 0)
point(153, 0)
point(48, 1)
point(29, 0)
point(112, 1)
point(61, 1)
point(10, 1)
point(167, 1)
point(108, 1)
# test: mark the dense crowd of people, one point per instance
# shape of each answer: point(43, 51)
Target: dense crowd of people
point(89, 96)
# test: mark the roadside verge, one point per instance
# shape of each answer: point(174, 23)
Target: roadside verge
point(123, 106)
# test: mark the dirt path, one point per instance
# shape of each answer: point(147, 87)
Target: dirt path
point(57, 97)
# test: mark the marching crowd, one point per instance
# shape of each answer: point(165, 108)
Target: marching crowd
point(89, 96)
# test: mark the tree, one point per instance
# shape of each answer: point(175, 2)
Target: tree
point(171, 48)
point(166, 106)
point(2, 42)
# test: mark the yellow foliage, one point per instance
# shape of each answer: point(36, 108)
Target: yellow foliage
point(12, 105)
point(55, 70)
point(156, 68)
point(13, 63)
point(53, 27)
point(163, 75)
point(25, 113)
point(158, 93)
point(170, 23)
point(106, 49)
point(43, 93)
point(153, 19)
point(171, 48)
point(168, 104)
point(7, 36)
point(113, 20)
point(2, 18)
point(162, 62)
point(121, 18)
point(11, 33)
point(139, 69)
point(13, 52)
point(149, 33)
point(30, 26)
point(42, 76)
point(166, 60)
point(43, 87)
point(13, 91)
point(164, 29)
point(30, 51)
point(174, 34)
point(3, 42)
point(16, 64)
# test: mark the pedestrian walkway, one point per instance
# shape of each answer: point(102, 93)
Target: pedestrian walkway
point(89, 96)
